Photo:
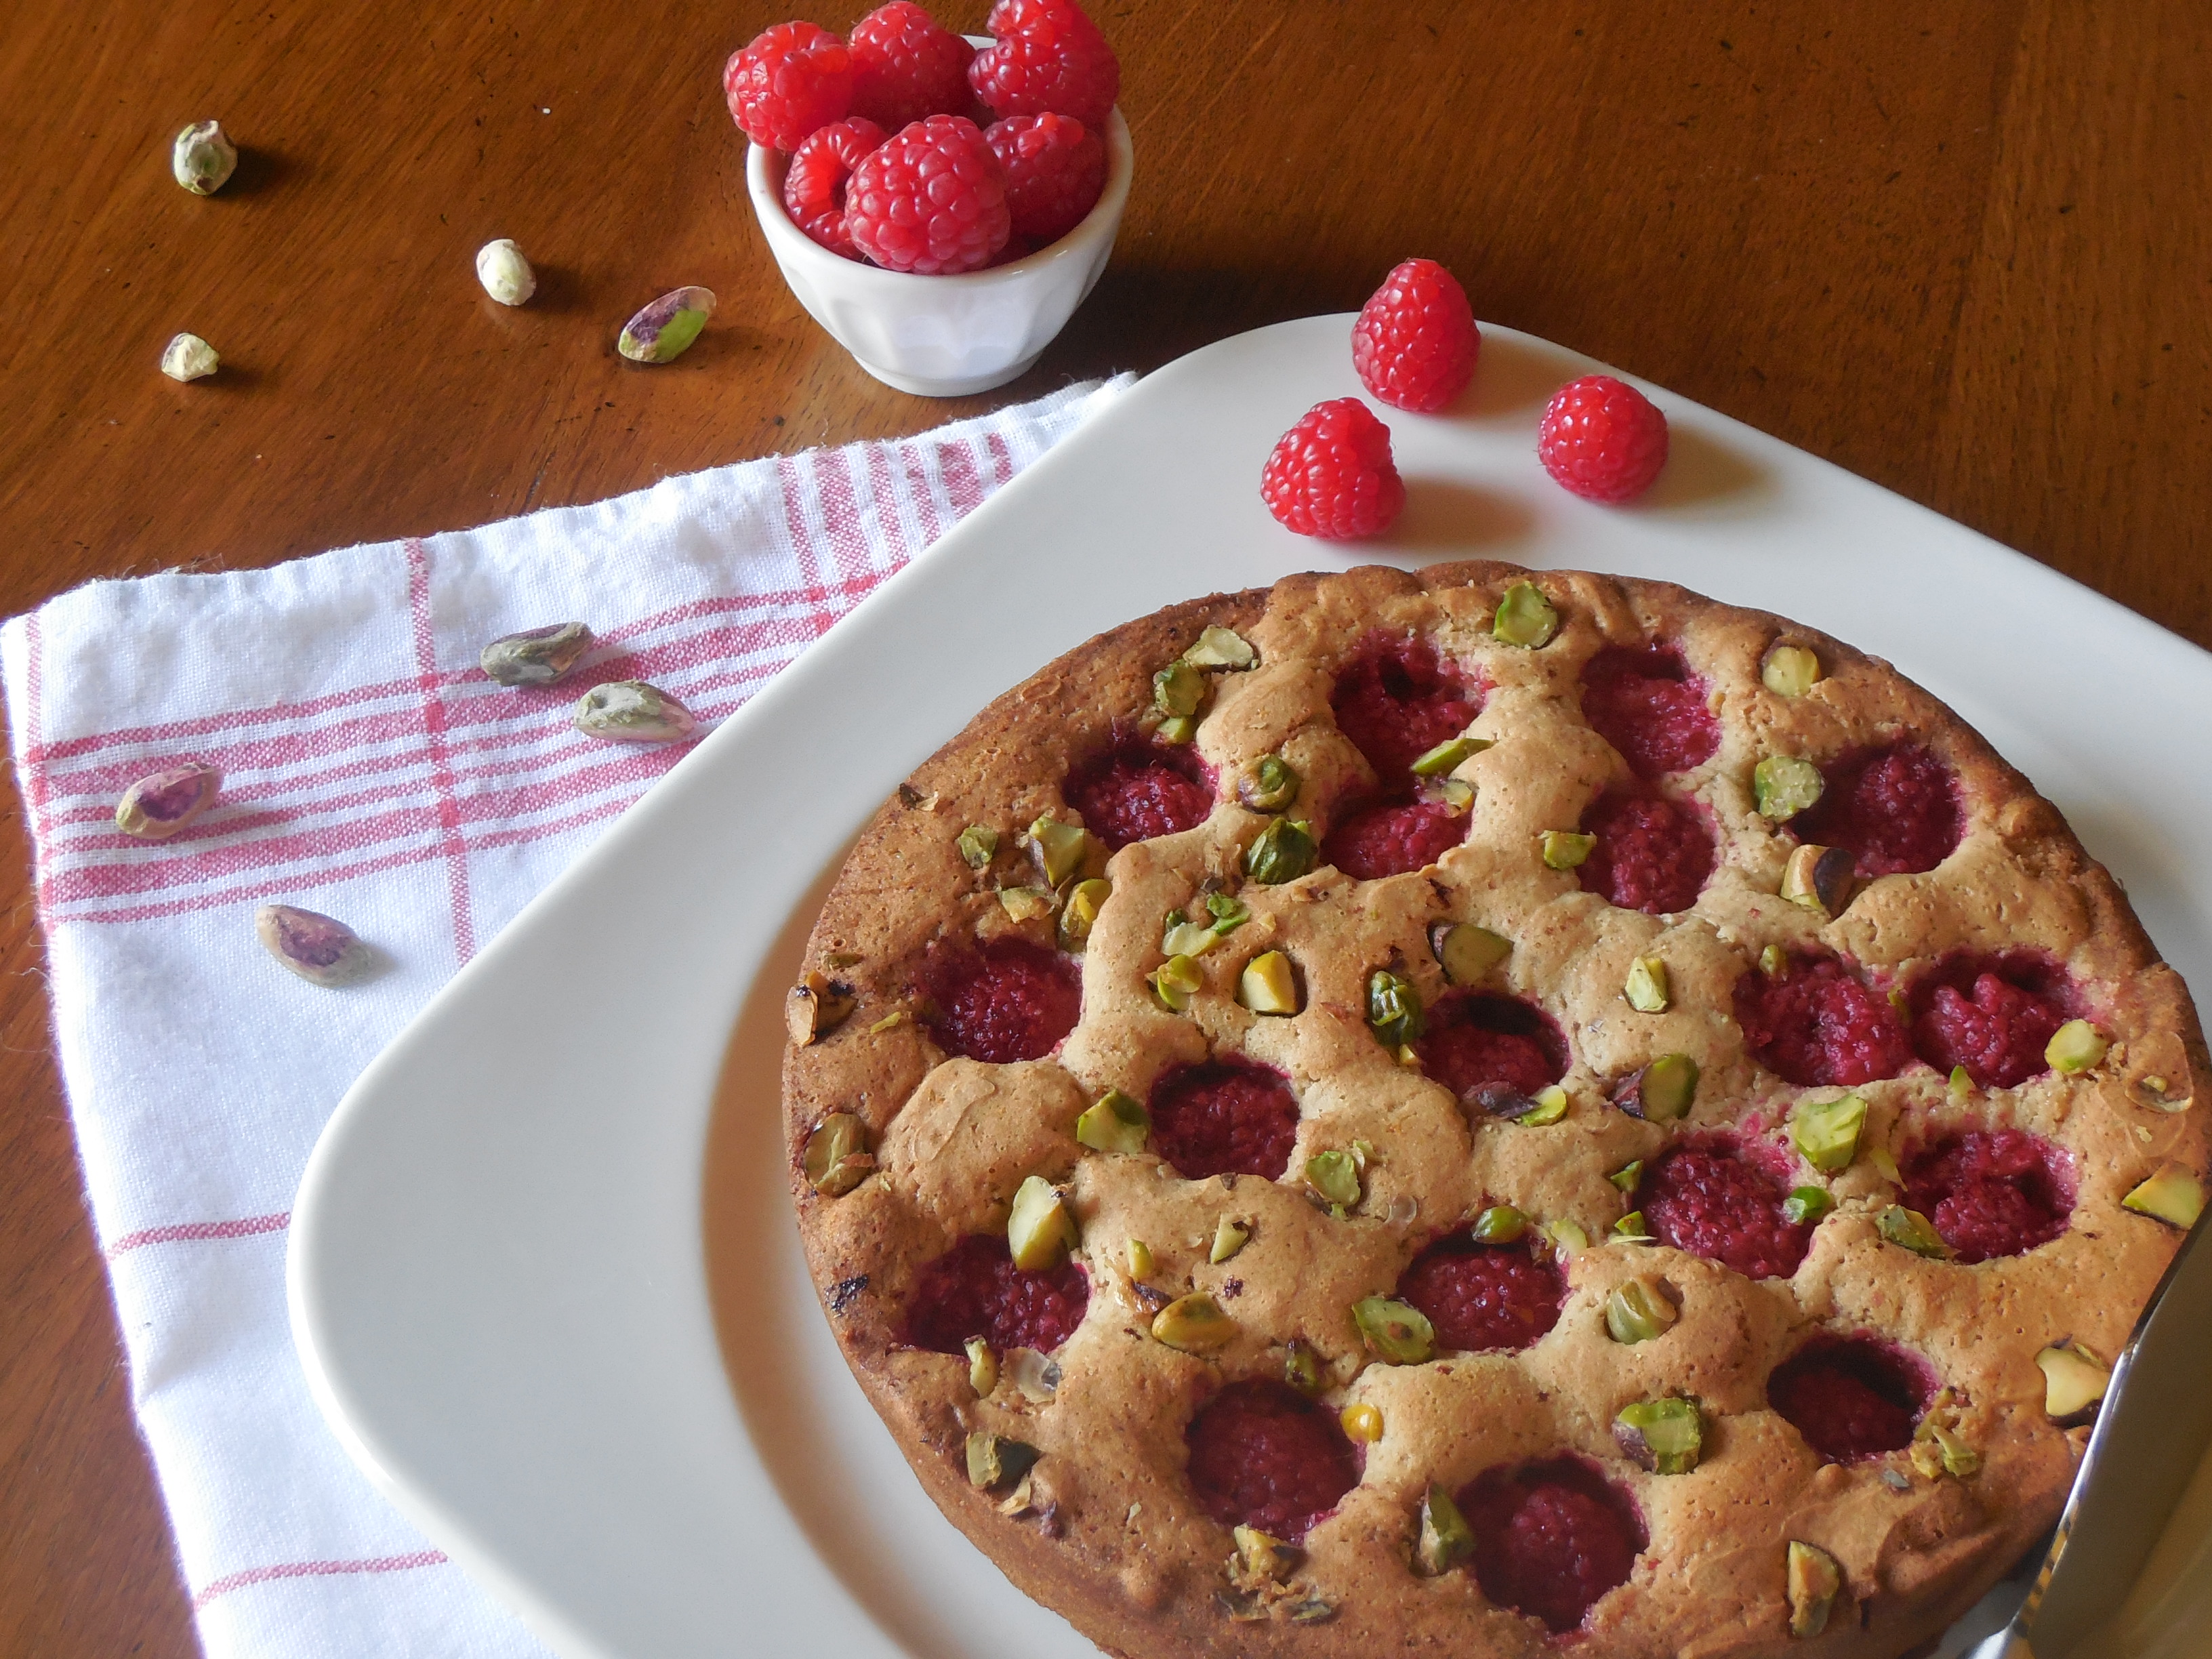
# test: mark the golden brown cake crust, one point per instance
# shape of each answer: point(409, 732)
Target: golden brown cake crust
point(1111, 1535)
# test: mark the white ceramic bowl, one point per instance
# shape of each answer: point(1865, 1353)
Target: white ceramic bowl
point(944, 337)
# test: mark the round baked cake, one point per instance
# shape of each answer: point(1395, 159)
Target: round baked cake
point(1476, 1110)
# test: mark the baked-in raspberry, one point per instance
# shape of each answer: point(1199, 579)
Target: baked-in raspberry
point(1652, 854)
point(1644, 701)
point(1895, 810)
point(975, 1290)
point(1601, 439)
point(1331, 476)
point(1140, 788)
point(1484, 1297)
point(1264, 1456)
point(1047, 57)
point(1415, 343)
point(1397, 699)
point(907, 67)
point(1550, 1538)
point(1991, 1192)
point(1706, 1199)
point(929, 199)
point(1851, 1397)
point(1387, 838)
point(1224, 1117)
point(1009, 1000)
point(1817, 1023)
point(1992, 1014)
point(791, 79)
point(1481, 1040)
point(821, 168)
point(1056, 168)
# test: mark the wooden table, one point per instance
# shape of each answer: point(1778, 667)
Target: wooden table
point(1969, 259)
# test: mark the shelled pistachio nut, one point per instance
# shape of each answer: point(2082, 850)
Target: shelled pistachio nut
point(537, 656)
point(1632, 1229)
point(1174, 982)
point(1026, 903)
point(1230, 1235)
point(1179, 689)
point(1501, 1223)
point(1639, 1310)
point(977, 845)
point(1807, 1205)
point(1438, 761)
point(1911, 1231)
point(836, 1158)
point(1466, 953)
point(162, 803)
point(1141, 1264)
point(2075, 1048)
point(1525, 618)
point(188, 357)
point(1281, 853)
point(982, 1366)
point(815, 1006)
point(1220, 647)
point(1269, 984)
point(1059, 848)
point(1789, 670)
point(202, 158)
point(630, 711)
point(2173, 1194)
point(1268, 784)
point(1813, 1582)
point(1302, 1367)
point(1820, 879)
point(665, 329)
point(1394, 1009)
point(1263, 1556)
point(1647, 988)
point(319, 949)
point(1826, 1132)
point(1445, 1540)
point(1193, 1324)
point(1040, 1228)
point(504, 274)
point(1115, 1123)
point(2074, 1380)
point(1663, 1091)
point(1335, 1176)
point(1664, 1436)
point(1079, 912)
point(1549, 1107)
point(1564, 849)
point(1782, 786)
point(1396, 1332)
point(994, 1462)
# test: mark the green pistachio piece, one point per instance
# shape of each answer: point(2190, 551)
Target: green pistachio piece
point(836, 1158)
point(1567, 1236)
point(1525, 618)
point(1141, 1260)
point(1820, 879)
point(1220, 647)
point(1267, 784)
point(1262, 1555)
point(1041, 1228)
point(1079, 912)
point(1806, 1204)
point(1282, 852)
point(1647, 989)
point(1632, 1229)
point(1814, 1581)
point(1445, 1538)
point(978, 846)
point(1267, 985)
point(188, 357)
point(1826, 1132)
point(1229, 1238)
point(1961, 1084)
point(1663, 1091)
point(202, 158)
point(1116, 1123)
point(505, 272)
point(1193, 1324)
point(1177, 728)
point(1335, 1176)
point(1178, 690)
point(1911, 1229)
point(982, 1366)
point(1773, 960)
point(1174, 982)
point(815, 1006)
point(1188, 938)
point(1311, 1610)
point(1629, 1177)
point(1060, 849)
point(1302, 1367)
point(2173, 1195)
point(1501, 1223)
point(1454, 795)
point(2075, 1048)
point(630, 711)
point(1466, 953)
point(1564, 849)
point(1025, 904)
point(1953, 1457)
point(1396, 1332)
point(1783, 786)
point(1550, 1106)
point(2073, 1380)
point(1229, 912)
point(1789, 670)
point(1638, 1311)
point(993, 1463)
point(1393, 1010)
point(2157, 1093)
point(537, 656)
point(666, 329)
point(1664, 1436)
point(1446, 756)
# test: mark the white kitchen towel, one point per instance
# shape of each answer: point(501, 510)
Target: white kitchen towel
point(373, 773)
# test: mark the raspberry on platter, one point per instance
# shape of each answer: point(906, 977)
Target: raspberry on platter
point(1047, 57)
point(1415, 343)
point(930, 199)
point(791, 79)
point(906, 66)
point(1055, 169)
point(1331, 476)
point(820, 172)
point(1602, 439)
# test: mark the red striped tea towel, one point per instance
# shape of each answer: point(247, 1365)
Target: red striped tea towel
point(373, 773)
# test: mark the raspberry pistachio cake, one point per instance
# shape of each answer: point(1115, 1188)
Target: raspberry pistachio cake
point(1475, 1110)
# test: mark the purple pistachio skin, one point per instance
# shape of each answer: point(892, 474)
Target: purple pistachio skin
point(158, 806)
point(666, 328)
point(318, 948)
point(537, 656)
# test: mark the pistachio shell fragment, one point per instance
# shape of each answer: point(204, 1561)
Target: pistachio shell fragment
point(1229, 1236)
point(1789, 670)
point(1174, 982)
point(815, 1006)
point(1662, 1091)
point(1912, 1230)
point(978, 846)
point(1268, 985)
point(2173, 1194)
point(202, 158)
point(1664, 1436)
point(1335, 1176)
point(1221, 648)
point(535, 656)
point(319, 949)
point(1116, 1123)
point(188, 357)
point(1638, 1310)
point(1445, 1538)
point(982, 1366)
point(1525, 618)
point(1466, 953)
point(1551, 1106)
point(1396, 1332)
point(1806, 1204)
point(2075, 1048)
point(665, 329)
point(1282, 852)
point(1783, 786)
point(1040, 1228)
point(1564, 849)
point(1263, 1555)
point(1362, 1422)
point(1079, 913)
point(1268, 784)
point(2073, 1380)
point(1193, 1324)
point(1826, 1132)
point(1820, 879)
point(1647, 989)
point(630, 711)
point(1814, 1581)
point(1501, 1223)
point(836, 1158)
point(1394, 1009)
point(162, 803)
point(994, 1462)
point(1436, 762)
point(1302, 1367)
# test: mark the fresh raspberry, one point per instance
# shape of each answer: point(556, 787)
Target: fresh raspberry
point(905, 68)
point(1652, 854)
point(1139, 789)
point(1264, 1456)
point(1396, 700)
point(1851, 1397)
point(1415, 343)
point(1332, 475)
point(1484, 1297)
point(1993, 1015)
point(1055, 169)
point(1817, 1023)
point(1708, 1201)
point(1387, 838)
point(821, 168)
point(1009, 1000)
point(1550, 1538)
point(1480, 1040)
point(791, 79)
point(1644, 701)
point(1991, 1192)
point(975, 1290)
point(929, 199)
point(1601, 439)
point(1895, 809)
point(1224, 1117)
point(1046, 58)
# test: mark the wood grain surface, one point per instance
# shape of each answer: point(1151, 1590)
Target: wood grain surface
point(1962, 251)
